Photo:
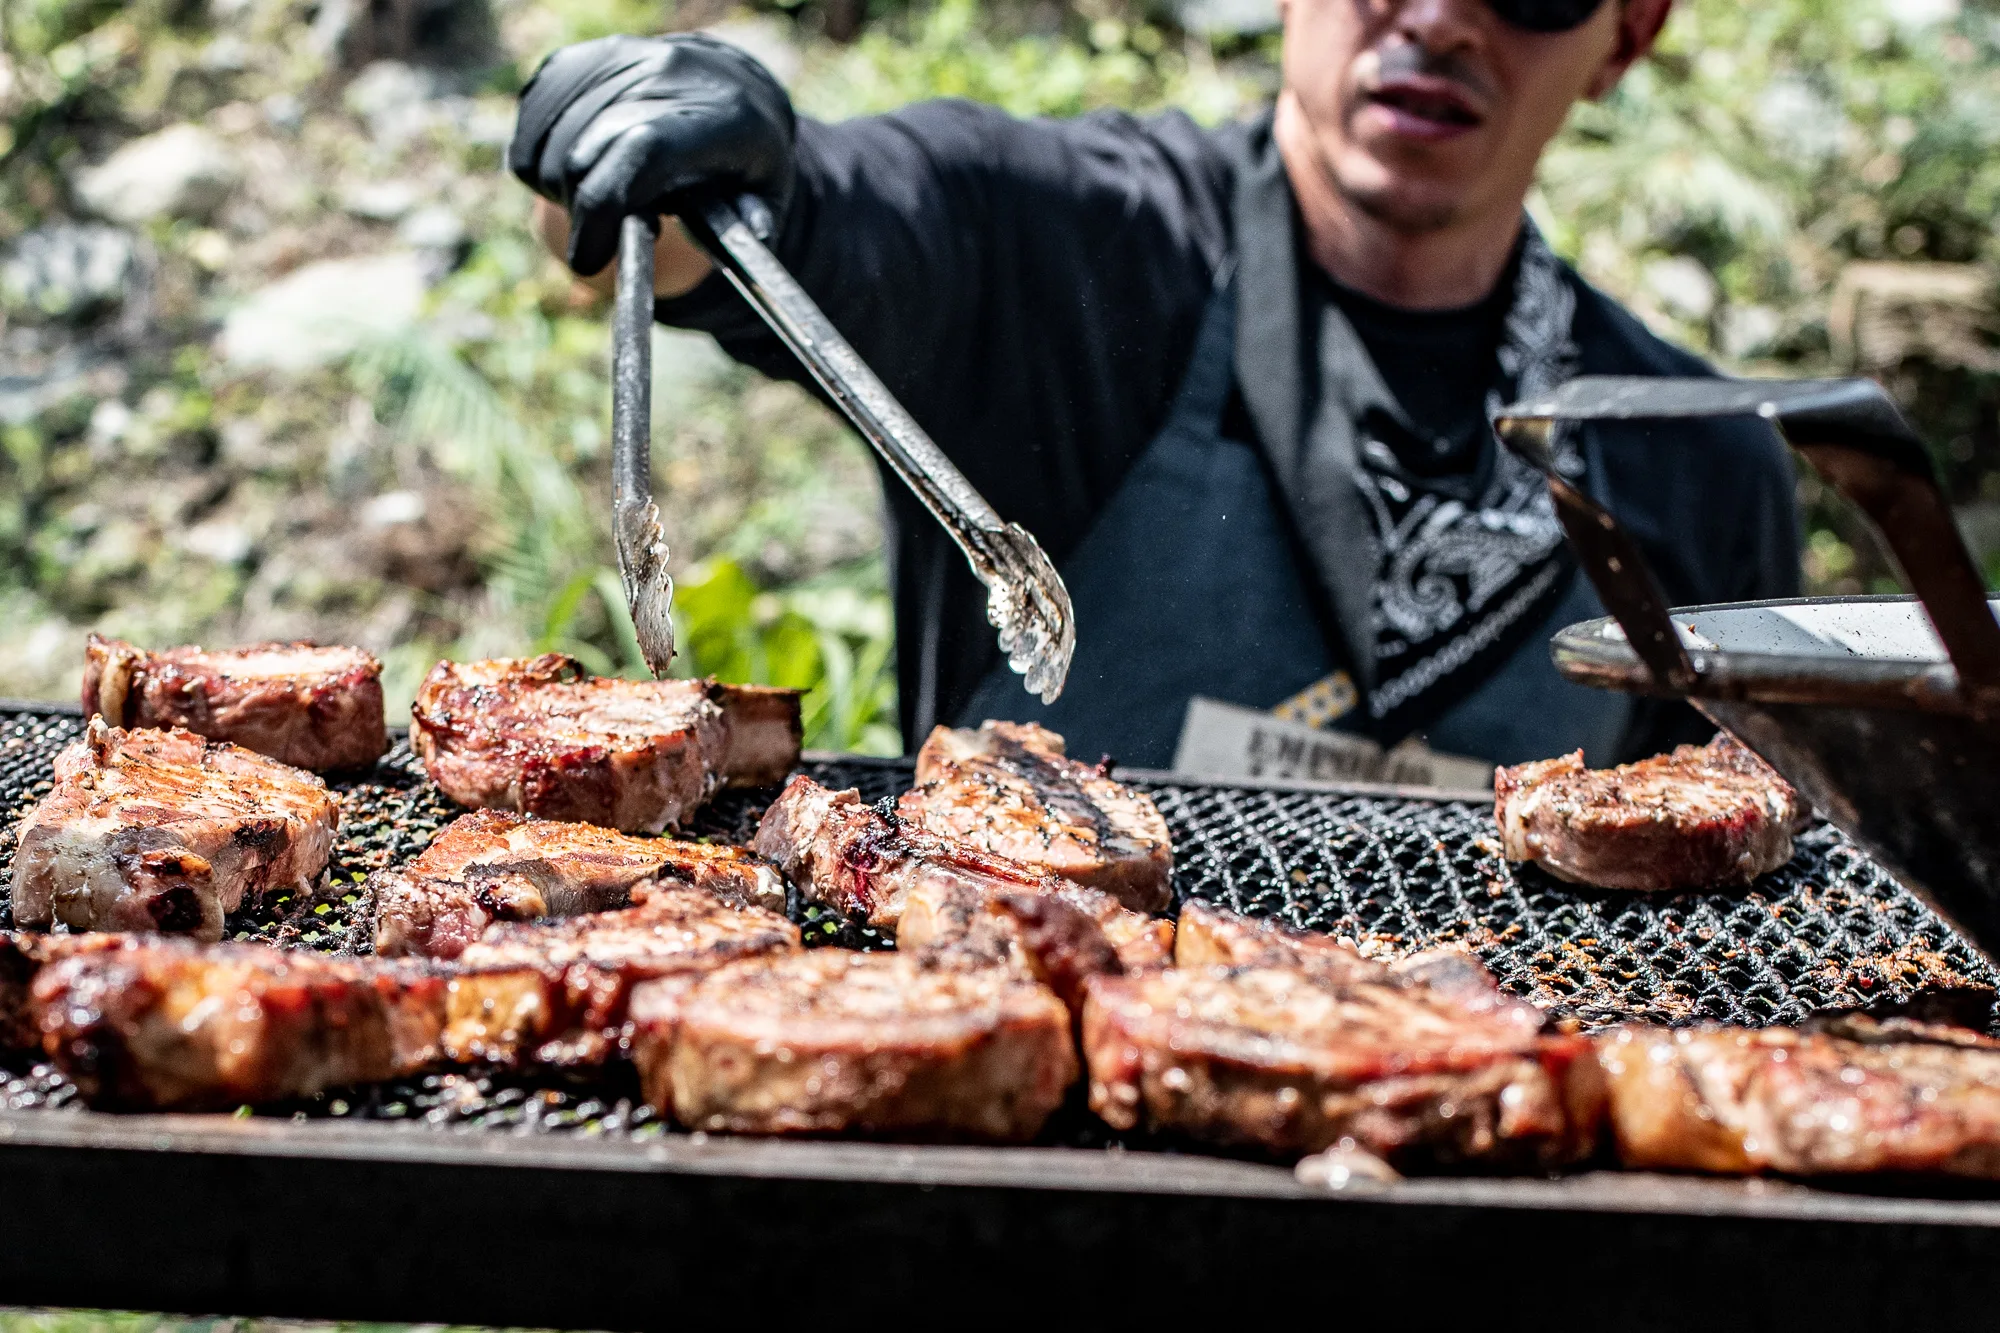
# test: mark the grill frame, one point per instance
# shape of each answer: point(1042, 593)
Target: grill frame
point(1113, 1211)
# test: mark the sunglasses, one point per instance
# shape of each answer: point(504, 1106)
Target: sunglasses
point(1544, 15)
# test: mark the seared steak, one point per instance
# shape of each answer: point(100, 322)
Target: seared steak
point(853, 857)
point(494, 866)
point(1862, 1097)
point(1038, 934)
point(1008, 789)
point(1702, 816)
point(542, 737)
point(1277, 1059)
point(556, 993)
point(1209, 936)
point(155, 1024)
point(163, 831)
point(298, 703)
point(829, 1040)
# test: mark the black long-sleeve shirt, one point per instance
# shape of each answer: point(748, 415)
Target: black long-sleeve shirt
point(1030, 290)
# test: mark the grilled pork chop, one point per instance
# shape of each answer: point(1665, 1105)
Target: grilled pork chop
point(1862, 1096)
point(1038, 935)
point(543, 737)
point(492, 866)
point(1281, 1060)
point(1208, 936)
point(829, 1040)
point(163, 831)
point(556, 993)
point(1702, 816)
point(847, 854)
point(1008, 789)
point(298, 703)
point(156, 1024)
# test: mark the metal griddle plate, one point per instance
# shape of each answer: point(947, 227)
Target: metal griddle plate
point(1397, 867)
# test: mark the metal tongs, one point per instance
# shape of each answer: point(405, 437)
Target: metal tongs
point(1026, 600)
point(635, 519)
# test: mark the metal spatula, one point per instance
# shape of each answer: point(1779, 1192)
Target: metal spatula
point(1026, 600)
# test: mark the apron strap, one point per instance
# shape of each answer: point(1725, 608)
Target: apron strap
point(1211, 372)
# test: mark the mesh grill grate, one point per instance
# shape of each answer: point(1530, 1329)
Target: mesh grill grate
point(1828, 931)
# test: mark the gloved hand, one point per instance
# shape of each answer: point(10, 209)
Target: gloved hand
point(625, 125)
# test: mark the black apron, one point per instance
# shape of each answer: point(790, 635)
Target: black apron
point(1189, 583)
point(1186, 584)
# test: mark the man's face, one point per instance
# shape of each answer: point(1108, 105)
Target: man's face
point(1422, 111)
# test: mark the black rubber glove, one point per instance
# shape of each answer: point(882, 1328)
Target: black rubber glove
point(625, 125)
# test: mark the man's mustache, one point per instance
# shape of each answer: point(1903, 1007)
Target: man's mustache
point(1398, 57)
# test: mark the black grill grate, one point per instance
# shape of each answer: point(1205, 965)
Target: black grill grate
point(1829, 931)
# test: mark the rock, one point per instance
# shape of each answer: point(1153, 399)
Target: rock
point(223, 542)
point(67, 272)
point(181, 172)
point(394, 98)
point(1683, 286)
point(284, 113)
point(439, 236)
point(379, 201)
point(226, 54)
point(109, 421)
point(1226, 18)
point(1747, 330)
point(324, 312)
point(432, 227)
point(393, 507)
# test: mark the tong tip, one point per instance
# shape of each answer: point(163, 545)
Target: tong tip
point(649, 592)
point(1030, 608)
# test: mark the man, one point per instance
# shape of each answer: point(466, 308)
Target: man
point(1236, 382)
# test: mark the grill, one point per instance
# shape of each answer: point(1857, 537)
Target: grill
point(1395, 869)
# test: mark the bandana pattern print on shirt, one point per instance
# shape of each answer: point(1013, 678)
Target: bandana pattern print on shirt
point(1459, 579)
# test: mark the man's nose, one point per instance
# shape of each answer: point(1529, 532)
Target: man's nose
point(1438, 25)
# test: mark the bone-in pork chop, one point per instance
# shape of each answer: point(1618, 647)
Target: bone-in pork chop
point(1281, 1060)
point(556, 993)
point(157, 1024)
point(851, 856)
point(491, 865)
point(1008, 789)
point(1038, 935)
point(163, 831)
point(299, 703)
point(541, 736)
point(1861, 1096)
point(1208, 936)
point(1703, 816)
point(831, 1040)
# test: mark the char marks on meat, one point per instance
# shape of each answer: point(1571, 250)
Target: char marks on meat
point(1211, 937)
point(830, 1040)
point(556, 993)
point(301, 704)
point(1857, 1096)
point(1040, 935)
point(1703, 816)
point(156, 1024)
point(493, 865)
point(853, 857)
point(163, 831)
point(1425, 1062)
point(541, 736)
point(1008, 789)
